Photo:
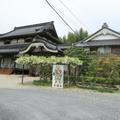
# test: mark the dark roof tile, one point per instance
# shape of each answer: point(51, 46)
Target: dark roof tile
point(29, 29)
point(101, 42)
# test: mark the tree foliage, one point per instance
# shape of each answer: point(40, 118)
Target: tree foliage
point(41, 65)
point(109, 67)
point(75, 37)
point(36, 60)
point(83, 55)
point(104, 70)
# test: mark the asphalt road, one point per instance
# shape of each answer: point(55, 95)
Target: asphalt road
point(49, 104)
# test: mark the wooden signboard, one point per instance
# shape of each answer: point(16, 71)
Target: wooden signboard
point(57, 76)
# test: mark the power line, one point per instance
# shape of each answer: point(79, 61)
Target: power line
point(72, 13)
point(59, 15)
point(64, 16)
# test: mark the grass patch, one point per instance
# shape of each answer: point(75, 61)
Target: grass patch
point(48, 83)
point(101, 89)
point(42, 83)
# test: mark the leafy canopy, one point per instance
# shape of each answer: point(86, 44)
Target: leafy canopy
point(36, 60)
point(75, 37)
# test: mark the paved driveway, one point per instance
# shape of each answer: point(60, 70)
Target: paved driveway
point(52, 104)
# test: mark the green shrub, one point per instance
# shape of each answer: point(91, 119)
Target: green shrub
point(42, 82)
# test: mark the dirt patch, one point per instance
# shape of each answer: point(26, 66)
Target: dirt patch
point(14, 81)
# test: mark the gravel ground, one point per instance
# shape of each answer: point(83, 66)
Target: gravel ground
point(14, 81)
point(19, 103)
point(52, 104)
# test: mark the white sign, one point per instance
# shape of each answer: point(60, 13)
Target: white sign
point(57, 77)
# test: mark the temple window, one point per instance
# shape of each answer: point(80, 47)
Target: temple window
point(21, 40)
point(28, 40)
point(7, 42)
point(104, 50)
point(14, 41)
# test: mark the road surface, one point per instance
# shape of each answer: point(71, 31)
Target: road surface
point(51, 104)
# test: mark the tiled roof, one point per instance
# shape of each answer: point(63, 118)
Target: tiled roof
point(100, 43)
point(47, 43)
point(105, 30)
point(12, 48)
point(21, 47)
point(29, 29)
point(103, 42)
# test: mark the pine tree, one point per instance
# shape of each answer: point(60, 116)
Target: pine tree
point(75, 37)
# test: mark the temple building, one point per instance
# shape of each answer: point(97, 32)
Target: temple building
point(42, 39)
point(36, 39)
point(104, 41)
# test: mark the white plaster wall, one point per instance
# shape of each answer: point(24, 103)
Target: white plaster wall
point(105, 37)
point(104, 34)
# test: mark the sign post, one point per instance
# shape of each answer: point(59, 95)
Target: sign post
point(57, 76)
point(22, 74)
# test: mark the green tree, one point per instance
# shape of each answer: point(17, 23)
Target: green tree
point(75, 37)
point(82, 54)
point(81, 33)
point(86, 34)
point(71, 37)
point(64, 39)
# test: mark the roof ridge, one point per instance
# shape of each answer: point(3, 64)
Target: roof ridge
point(98, 32)
point(6, 33)
point(33, 25)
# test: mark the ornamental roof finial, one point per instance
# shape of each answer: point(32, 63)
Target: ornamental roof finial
point(105, 25)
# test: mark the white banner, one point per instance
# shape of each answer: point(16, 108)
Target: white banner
point(57, 76)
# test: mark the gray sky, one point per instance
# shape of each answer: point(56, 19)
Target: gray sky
point(92, 14)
